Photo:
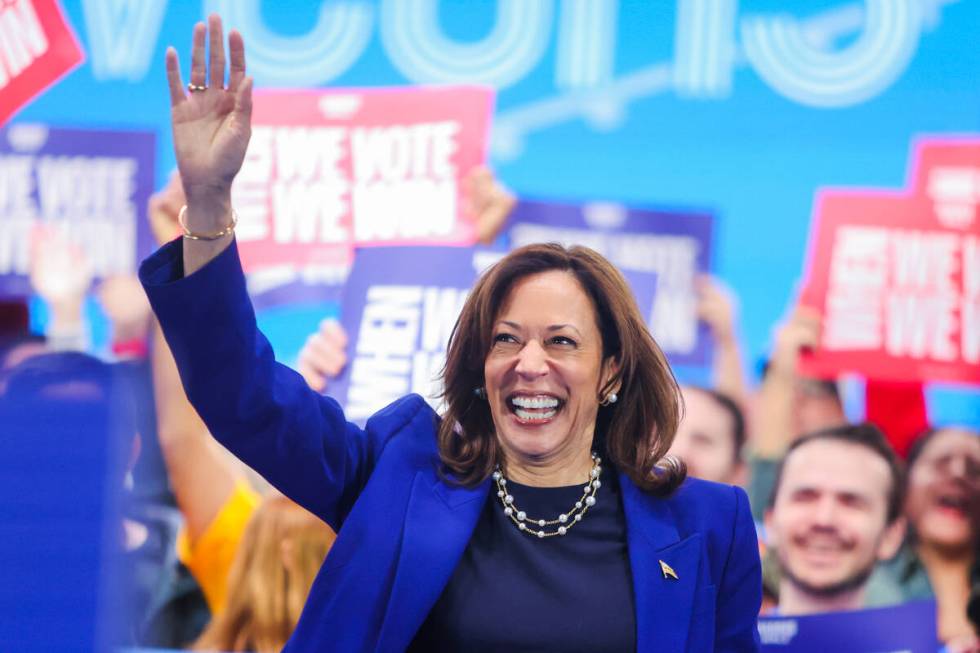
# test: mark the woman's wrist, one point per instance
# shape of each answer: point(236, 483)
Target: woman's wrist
point(208, 214)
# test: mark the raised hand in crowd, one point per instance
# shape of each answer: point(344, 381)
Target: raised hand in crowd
point(718, 308)
point(125, 305)
point(163, 209)
point(489, 201)
point(61, 275)
point(211, 130)
point(775, 419)
point(323, 355)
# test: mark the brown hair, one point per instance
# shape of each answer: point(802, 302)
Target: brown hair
point(634, 434)
point(265, 594)
point(866, 435)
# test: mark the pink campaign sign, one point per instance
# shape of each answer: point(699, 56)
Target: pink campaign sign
point(898, 288)
point(330, 170)
point(37, 47)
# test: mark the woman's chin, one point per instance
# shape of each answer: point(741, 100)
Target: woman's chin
point(533, 439)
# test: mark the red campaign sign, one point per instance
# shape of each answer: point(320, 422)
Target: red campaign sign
point(37, 47)
point(898, 289)
point(946, 171)
point(329, 170)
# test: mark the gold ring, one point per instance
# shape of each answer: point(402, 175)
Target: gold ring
point(194, 88)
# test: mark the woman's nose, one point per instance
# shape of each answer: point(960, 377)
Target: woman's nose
point(532, 361)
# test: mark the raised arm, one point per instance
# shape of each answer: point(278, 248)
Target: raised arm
point(261, 411)
point(717, 308)
point(211, 129)
point(774, 427)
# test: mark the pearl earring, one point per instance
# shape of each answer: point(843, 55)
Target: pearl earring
point(480, 393)
point(610, 399)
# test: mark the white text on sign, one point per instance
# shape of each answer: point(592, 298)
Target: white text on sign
point(913, 293)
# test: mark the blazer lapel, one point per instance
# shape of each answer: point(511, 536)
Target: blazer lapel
point(439, 522)
point(665, 571)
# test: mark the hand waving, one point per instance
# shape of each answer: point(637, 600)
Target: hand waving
point(211, 123)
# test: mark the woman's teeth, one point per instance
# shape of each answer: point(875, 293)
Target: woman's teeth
point(535, 402)
point(535, 408)
point(528, 416)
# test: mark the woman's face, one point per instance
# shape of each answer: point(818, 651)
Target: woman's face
point(545, 368)
point(944, 490)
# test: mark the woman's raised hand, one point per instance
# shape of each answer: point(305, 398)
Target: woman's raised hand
point(211, 123)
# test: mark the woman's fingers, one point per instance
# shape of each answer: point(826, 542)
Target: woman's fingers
point(198, 69)
point(217, 63)
point(243, 101)
point(236, 53)
point(174, 82)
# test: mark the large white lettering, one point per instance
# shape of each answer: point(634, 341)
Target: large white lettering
point(22, 38)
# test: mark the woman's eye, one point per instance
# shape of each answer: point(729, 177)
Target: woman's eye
point(563, 340)
point(504, 337)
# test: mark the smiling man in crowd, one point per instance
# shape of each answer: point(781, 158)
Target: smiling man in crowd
point(835, 512)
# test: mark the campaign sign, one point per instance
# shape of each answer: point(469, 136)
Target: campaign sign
point(37, 47)
point(897, 286)
point(904, 628)
point(92, 186)
point(946, 171)
point(400, 305)
point(666, 249)
point(328, 170)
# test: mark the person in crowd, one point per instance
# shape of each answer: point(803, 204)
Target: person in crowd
point(787, 405)
point(943, 510)
point(90, 401)
point(281, 550)
point(255, 557)
point(543, 460)
point(710, 436)
point(61, 275)
point(712, 430)
point(717, 307)
point(835, 512)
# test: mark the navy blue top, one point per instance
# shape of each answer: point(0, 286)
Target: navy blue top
point(513, 591)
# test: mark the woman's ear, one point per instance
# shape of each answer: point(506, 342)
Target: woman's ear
point(610, 368)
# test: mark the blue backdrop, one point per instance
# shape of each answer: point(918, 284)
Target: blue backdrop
point(743, 106)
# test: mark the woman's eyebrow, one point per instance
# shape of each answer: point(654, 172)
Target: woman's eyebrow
point(559, 327)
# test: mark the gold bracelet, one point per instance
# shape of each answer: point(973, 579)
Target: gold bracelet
point(215, 236)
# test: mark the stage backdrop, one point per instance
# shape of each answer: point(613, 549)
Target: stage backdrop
point(744, 107)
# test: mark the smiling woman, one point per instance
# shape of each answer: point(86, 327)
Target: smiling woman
point(559, 401)
point(557, 351)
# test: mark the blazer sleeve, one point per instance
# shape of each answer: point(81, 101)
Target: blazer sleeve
point(261, 411)
point(740, 587)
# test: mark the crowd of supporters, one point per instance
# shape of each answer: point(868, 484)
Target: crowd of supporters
point(850, 515)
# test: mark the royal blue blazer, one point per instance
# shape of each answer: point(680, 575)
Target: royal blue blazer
point(401, 528)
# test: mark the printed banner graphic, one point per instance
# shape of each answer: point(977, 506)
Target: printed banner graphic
point(896, 276)
point(91, 186)
point(905, 628)
point(400, 305)
point(660, 253)
point(328, 170)
point(37, 47)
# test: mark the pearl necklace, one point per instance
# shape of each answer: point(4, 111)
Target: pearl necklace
point(564, 521)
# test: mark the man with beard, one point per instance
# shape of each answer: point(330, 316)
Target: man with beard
point(835, 511)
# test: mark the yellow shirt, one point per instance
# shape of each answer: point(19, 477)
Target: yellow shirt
point(210, 556)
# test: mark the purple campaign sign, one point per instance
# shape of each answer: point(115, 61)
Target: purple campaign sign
point(399, 307)
point(91, 185)
point(905, 628)
point(666, 249)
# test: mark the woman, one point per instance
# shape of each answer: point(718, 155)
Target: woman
point(942, 506)
point(463, 530)
point(280, 552)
